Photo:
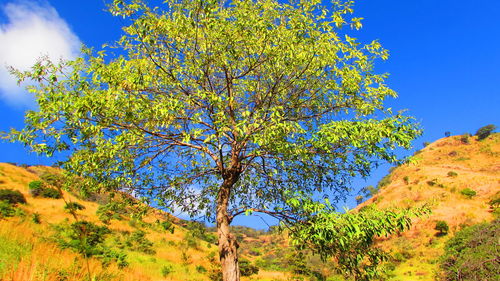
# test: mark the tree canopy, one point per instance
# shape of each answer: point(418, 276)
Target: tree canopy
point(221, 108)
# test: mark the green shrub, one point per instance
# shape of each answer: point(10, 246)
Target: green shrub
point(469, 193)
point(12, 196)
point(452, 174)
point(485, 131)
point(6, 210)
point(137, 241)
point(201, 269)
point(442, 227)
point(473, 253)
point(36, 188)
point(447, 134)
point(112, 210)
point(247, 269)
point(53, 179)
point(36, 218)
point(432, 182)
point(166, 270)
point(73, 207)
point(406, 179)
point(426, 143)
point(51, 193)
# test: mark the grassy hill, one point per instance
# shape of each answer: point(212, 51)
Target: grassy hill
point(441, 176)
point(34, 240)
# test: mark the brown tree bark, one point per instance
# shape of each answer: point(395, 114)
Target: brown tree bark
point(228, 248)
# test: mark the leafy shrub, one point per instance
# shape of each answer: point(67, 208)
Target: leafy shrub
point(51, 193)
point(137, 241)
point(247, 269)
point(73, 207)
point(167, 226)
point(432, 182)
point(447, 134)
point(53, 179)
point(166, 270)
point(12, 196)
point(485, 131)
point(442, 227)
point(359, 199)
point(36, 218)
point(469, 193)
point(112, 210)
point(36, 188)
point(473, 253)
point(201, 269)
point(452, 174)
point(383, 182)
point(6, 209)
point(426, 143)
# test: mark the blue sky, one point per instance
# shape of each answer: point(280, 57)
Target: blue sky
point(444, 63)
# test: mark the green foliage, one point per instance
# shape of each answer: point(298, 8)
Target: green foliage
point(166, 270)
point(72, 207)
point(201, 269)
point(385, 181)
point(452, 174)
point(36, 188)
point(12, 197)
point(473, 253)
point(137, 241)
point(442, 227)
point(467, 192)
point(349, 236)
point(447, 134)
point(252, 100)
point(370, 190)
point(36, 218)
point(55, 180)
point(167, 226)
point(51, 193)
point(247, 268)
point(485, 131)
point(426, 143)
point(359, 199)
point(112, 210)
point(432, 182)
point(6, 209)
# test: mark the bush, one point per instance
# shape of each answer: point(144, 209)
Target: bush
point(36, 188)
point(201, 269)
point(465, 138)
point(469, 193)
point(6, 210)
point(73, 207)
point(51, 193)
point(447, 134)
point(247, 269)
point(406, 179)
point(426, 143)
point(473, 253)
point(12, 196)
point(166, 270)
point(442, 227)
point(112, 210)
point(485, 131)
point(432, 182)
point(452, 174)
point(36, 218)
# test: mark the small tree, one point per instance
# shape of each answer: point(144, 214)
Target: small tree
point(223, 107)
point(442, 227)
point(485, 131)
point(447, 134)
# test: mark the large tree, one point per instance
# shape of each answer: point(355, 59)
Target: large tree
point(223, 108)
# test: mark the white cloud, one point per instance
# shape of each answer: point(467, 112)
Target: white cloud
point(32, 30)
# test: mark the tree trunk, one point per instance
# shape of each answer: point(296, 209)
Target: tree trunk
point(228, 249)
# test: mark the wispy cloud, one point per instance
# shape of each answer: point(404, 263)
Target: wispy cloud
point(30, 30)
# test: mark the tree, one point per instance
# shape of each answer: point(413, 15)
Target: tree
point(442, 227)
point(485, 131)
point(221, 108)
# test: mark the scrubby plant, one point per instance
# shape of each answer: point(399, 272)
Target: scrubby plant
point(426, 143)
point(442, 227)
point(467, 192)
point(36, 188)
point(12, 196)
point(452, 174)
point(201, 269)
point(55, 180)
point(51, 193)
point(36, 218)
point(166, 270)
point(6, 209)
point(137, 241)
point(447, 134)
point(247, 268)
point(72, 207)
point(432, 182)
point(112, 210)
point(406, 179)
point(485, 131)
point(472, 254)
point(359, 199)
point(465, 138)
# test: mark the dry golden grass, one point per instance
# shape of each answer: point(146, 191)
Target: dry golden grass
point(477, 165)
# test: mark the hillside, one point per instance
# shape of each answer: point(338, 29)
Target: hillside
point(442, 170)
point(158, 246)
point(30, 247)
